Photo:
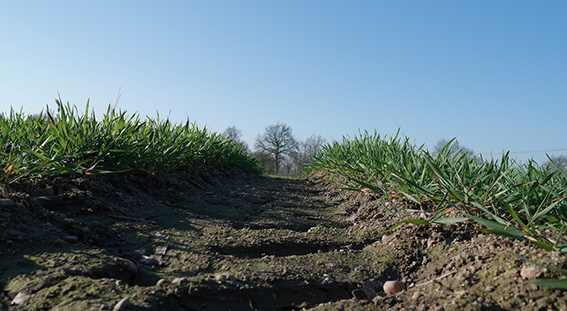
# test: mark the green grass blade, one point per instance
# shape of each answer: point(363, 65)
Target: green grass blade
point(497, 226)
point(449, 220)
point(557, 284)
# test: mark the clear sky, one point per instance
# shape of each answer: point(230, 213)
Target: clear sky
point(491, 73)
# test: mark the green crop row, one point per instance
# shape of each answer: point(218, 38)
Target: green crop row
point(67, 141)
point(523, 201)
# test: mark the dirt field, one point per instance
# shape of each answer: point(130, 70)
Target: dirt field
point(141, 242)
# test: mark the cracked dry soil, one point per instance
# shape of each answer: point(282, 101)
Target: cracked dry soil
point(245, 243)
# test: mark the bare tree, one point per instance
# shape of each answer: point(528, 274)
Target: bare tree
point(235, 134)
point(308, 150)
point(277, 144)
point(452, 147)
point(556, 162)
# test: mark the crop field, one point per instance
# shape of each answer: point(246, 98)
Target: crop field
point(67, 141)
point(516, 200)
point(131, 213)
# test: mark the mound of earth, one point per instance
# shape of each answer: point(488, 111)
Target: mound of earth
point(145, 242)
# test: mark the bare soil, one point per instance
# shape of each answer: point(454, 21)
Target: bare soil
point(242, 242)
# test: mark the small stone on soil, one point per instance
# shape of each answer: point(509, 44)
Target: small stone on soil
point(225, 277)
point(21, 298)
point(59, 242)
point(179, 280)
point(71, 239)
point(392, 287)
point(530, 273)
point(122, 304)
point(148, 260)
point(162, 283)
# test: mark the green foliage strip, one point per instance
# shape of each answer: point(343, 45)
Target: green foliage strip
point(521, 201)
point(66, 141)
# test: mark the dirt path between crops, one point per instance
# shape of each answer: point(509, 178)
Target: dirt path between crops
point(139, 242)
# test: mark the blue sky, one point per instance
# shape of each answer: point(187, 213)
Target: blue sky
point(491, 73)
